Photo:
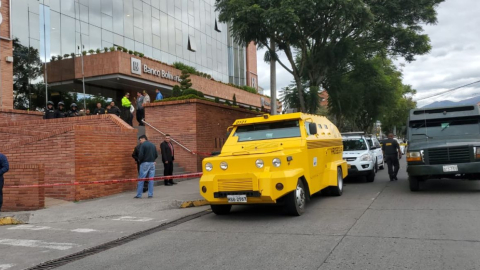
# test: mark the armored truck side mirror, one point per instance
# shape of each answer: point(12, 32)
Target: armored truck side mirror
point(312, 128)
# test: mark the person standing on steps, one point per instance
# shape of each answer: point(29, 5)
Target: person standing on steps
point(126, 114)
point(140, 109)
point(136, 152)
point(392, 153)
point(114, 109)
point(159, 95)
point(4, 167)
point(168, 156)
point(99, 110)
point(146, 156)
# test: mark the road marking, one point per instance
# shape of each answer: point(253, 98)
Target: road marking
point(29, 227)
point(128, 218)
point(84, 230)
point(36, 243)
point(6, 266)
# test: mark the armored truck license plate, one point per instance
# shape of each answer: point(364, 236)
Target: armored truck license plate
point(237, 198)
point(450, 168)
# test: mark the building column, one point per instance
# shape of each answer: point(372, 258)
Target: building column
point(6, 50)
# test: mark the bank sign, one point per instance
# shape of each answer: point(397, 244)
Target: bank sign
point(137, 68)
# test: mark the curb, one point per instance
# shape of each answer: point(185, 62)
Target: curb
point(9, 221)
point(196, 203)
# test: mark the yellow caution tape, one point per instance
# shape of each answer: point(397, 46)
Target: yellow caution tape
point(196, 203)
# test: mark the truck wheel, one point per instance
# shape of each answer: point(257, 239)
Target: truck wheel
point(338, 190)
point(414, 183)
point(295, 200)
point(221, 209)
point(371, 176)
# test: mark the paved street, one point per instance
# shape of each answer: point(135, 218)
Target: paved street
point(380, 225)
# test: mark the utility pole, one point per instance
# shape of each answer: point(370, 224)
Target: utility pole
point(273, 79)
point(81, 55)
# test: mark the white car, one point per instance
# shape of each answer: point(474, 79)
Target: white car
point(359, 155)
point(377, 150)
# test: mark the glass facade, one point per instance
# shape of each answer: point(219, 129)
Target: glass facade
point(186, 31)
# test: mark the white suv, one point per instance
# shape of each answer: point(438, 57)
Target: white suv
point(359, 155)
point(377, 150)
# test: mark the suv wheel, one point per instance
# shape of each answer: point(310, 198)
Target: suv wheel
point(414, 183)
point(371, 176)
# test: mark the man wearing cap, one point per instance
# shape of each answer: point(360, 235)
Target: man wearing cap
point(4, 167)
point(147, 155)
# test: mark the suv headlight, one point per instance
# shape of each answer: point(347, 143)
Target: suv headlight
point(259, 163)
point(414, 156)
point(366, 157)
point(208, 167)
point(276, 162)
point(223, 165)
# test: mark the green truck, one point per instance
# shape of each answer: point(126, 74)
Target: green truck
point(443, 143)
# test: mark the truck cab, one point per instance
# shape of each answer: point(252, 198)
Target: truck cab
point(275, 159)
point(443, 143)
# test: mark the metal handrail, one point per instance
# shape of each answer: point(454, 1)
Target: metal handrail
point(181, 145)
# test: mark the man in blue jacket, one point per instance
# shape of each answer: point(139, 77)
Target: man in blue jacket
point(3, 169)
point(147, 154)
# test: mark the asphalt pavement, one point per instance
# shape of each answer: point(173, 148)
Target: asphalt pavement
point(379, 225)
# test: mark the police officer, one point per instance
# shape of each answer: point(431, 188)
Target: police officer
point(73, 110)
point(392, 154)
point(49, 111)
point(60, 113)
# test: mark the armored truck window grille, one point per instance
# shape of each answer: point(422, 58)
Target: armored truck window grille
point(446, 127)
point(268, 131)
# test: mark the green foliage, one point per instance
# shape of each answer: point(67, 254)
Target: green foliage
point(234, 100)
point(176, 91)
point(396, 114)
point(190, 91)
point(186, 83)
point(217, 100)
point(72, 55)
point(187, 68)
point(249, 89)
point(91, 51)
point(112, 49)
point(105, 49)
point(326, 34)
point(59, 57)
point(98, 51)
point(256, 109)
point(84, 53)
point(136, 53)
point(130, 51)
point(66, 55)
point(228, 103)
point(141, 54)
point(125, 50)
point(289, 97)
point(53, 58)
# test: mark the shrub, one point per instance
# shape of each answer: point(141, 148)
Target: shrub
point(217, 100)
point(209, 76)
point(182, 66)
point(59, 57)
point(72, 55)
point(185, 82)
point(91, 51)
point(234, 100)
point(66, 55)
point(176, 91)
point(125, 50)
point(98, 51)
point(227, 103)
point(249, 89)
point(84, 52)
point(136, 53)
point(53, 58)
point(105, 49)
point(190, 91)
point(130, 51)
point(112, 49)
point(141, 54)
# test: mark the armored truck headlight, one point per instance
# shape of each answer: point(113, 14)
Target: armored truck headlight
point(224, 165)
point(208, 167)
point(414, 156)
point(276, 162)
point(259, 163)
point(366, 157)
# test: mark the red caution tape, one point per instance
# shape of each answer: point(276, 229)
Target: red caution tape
point(188, 175)
point(202, 154)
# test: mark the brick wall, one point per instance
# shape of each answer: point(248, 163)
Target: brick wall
point(199, 125)
point(9, 115)
point(25, 198)
point(6, 49)
point(103, 154)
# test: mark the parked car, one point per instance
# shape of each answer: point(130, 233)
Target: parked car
point(374, 143)
point(359, 155)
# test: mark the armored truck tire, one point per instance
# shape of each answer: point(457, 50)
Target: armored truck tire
point(338, 190)
point(295, 201)
point(221, 209)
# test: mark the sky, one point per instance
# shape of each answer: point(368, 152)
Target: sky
point(453, 61)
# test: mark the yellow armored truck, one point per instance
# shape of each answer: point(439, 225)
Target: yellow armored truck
point(275, 159)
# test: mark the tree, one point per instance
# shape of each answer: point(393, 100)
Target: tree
point(234, 100)
point(185, 82)
point(176, 91)
point(325, 33)
point(27, 67)
point(397, 114)
point(290, 100)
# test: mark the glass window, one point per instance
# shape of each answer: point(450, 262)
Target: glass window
point(54, 5)
point(192, 46)
point(148, 51)
point(55, 42)
point(171, 35)
point(68, 8)
point(268, 131)
point(68, 36)
point(129, 44)
point(95, 38)
point(138, 34)
point(179, 52)
point(147, 25)
point(164, 32)
point(118, 40)
point(156, 4)
point(95, 16)
point(157, 54)
point(128, 19)
point(137, 4)
point(354, 145)
point(137, 18)
point(156, 27)
point(163, 6)
point(139, 47)
point(107, 36)
point(44, 27)
point(34, 22)
point(107, 22)
point(118, 17)
point(156, 42)
point(107, 7)
point(155, 13)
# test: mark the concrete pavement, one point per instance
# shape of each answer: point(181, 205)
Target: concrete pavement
point(379, 225)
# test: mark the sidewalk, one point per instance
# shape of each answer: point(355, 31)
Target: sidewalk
point(68, 227)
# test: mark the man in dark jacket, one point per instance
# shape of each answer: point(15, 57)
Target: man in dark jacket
point(168, 156)
point(4, 167)
point(392, 153)
point(73, 111)
point(146, 156)
point(60, 112)
point(99, 109)
point(114, 109)
point(49, 111)
point(136, 152)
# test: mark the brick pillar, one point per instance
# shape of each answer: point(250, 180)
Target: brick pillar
point(252, 77)
point(6, 49)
